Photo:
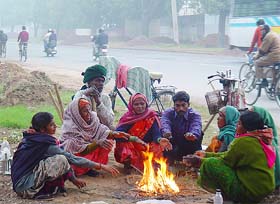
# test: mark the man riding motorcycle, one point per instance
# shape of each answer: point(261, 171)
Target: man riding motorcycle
point(50, 41)
point(101, 41)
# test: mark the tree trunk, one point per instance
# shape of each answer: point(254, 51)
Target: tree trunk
point(222, 28)
point(36, 29)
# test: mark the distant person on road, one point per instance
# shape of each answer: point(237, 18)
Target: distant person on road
point(46, 39)
point(3, 41)
point(101, 40)
point(182, 126)
point(23, 38)
point(94, 79)
point(257, 39)
point(268, 54)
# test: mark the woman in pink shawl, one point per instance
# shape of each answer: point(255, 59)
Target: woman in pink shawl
point(84, 135)
point(141, 123)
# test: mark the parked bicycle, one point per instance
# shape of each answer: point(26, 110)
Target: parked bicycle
point(272, 88)
point(161, 95)
point(232, 94)
point(23, 52)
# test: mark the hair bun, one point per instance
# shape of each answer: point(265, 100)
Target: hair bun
point(83, 73)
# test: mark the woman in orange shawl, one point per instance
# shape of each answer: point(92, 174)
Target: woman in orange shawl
point(142, 123)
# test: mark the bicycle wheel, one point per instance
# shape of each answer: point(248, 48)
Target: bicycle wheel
point(277, 92)
point(162, 101)
point(247, 76)
point(252, 96)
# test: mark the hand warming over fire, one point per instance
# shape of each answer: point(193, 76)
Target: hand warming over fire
point(106, 144)
point(200, 153)
point(192, 160)
point(109, 169)
point(190, 137)
point(118, 134)
point(165, 144)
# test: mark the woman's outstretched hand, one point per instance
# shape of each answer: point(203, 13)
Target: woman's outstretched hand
point(200, 153)
point(192, 160)
point(110, 169)
point(165, 144)
point(118, 134)
point(106, 144)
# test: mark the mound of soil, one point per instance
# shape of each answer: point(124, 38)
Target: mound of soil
point(21, 87)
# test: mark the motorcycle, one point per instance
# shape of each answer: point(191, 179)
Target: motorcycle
point(51, 49)
point(100, 51)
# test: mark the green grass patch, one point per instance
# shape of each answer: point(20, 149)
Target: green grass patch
point(19, 116)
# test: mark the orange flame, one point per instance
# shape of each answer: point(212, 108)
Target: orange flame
point(160, 182)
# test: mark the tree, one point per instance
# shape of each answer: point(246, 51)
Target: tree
point(218, 7)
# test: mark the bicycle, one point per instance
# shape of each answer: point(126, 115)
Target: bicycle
point(272, 87)
point(232, 94)
point(161, 95)
point(23, 52)
point(247, 74)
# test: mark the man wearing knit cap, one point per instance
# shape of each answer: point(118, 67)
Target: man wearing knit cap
point(94, 78)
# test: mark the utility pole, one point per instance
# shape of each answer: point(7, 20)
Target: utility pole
point(175, 21)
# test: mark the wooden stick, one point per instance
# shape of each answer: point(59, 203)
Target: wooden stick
point(59, 100)
point(209, 122)
point(55, 105)
point(138, 170)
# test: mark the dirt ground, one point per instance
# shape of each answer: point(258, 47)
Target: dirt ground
point(113, 190)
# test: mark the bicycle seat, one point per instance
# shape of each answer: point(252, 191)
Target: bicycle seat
point(155, 75)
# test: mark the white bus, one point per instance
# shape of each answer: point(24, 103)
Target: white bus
point(243, 18)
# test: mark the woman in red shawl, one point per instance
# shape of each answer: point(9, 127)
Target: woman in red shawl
point(143, 123)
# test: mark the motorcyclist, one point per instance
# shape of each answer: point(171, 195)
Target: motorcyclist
point(52, 40)
point(101, 40)
point(3, 41)
point(23, 38)
point(46, 39)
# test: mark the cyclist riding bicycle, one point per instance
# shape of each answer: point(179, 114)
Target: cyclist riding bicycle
point(268, 54)
point(3, 41)
point(257, 39)
point(23, 38)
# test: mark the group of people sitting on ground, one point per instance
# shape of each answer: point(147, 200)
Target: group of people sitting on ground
point(246, 144)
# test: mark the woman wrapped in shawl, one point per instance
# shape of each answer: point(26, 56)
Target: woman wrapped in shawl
point(84, 136)
point(40, 167)
point(142, 123)
point(269, 122)
point(226, 121)
point(240, 176)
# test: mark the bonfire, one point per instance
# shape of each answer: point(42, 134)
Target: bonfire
point(158, 182)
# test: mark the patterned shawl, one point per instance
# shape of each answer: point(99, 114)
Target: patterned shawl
point(130, 117)
point(76, 133)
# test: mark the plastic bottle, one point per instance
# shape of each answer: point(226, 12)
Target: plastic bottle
point(5, 156)
point(218, 198)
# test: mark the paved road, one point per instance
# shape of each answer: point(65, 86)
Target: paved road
point(185, 71)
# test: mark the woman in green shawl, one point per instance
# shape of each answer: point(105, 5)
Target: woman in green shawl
point(269, 122)
point(227, 121)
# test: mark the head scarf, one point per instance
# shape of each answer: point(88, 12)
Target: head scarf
point(227, 132)
point(130, 117)
point(76, 133)
point(94, 72)
point(268, 121)
point(83, 103)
